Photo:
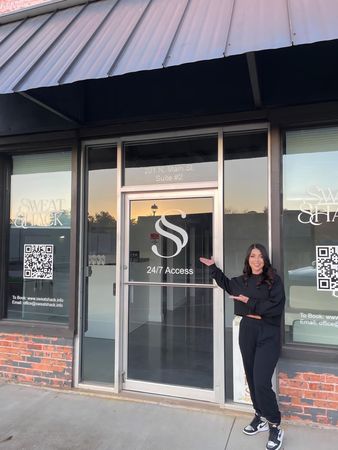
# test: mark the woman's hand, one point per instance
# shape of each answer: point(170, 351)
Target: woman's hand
point(240, 298)
point(206, 261)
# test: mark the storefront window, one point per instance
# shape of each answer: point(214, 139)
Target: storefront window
point(310, 217)
point(40, 221)
point(171, 161)
point(98, 343)
point(245, 222)
point(245, 196)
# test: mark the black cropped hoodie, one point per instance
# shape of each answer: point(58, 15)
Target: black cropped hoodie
point(267, 302)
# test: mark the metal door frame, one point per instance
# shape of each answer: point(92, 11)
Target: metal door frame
point(215, 187)
point(217, 393)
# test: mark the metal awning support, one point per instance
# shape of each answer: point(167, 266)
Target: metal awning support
point(49, 108)
point(256, 91)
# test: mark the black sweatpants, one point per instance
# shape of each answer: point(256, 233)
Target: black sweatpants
point(260, 347)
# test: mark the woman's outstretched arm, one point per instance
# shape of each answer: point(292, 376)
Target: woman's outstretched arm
point(216, 273)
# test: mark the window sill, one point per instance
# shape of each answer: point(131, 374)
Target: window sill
point(36, 328)
point(310, 352)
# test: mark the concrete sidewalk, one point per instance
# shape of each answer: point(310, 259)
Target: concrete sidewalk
point(43, 419)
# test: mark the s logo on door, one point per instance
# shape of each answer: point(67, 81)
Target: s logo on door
point(180, 241)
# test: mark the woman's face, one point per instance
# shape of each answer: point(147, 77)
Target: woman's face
point(256, 261)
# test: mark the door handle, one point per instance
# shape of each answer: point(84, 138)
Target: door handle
point(114, 289)
point(88, 271)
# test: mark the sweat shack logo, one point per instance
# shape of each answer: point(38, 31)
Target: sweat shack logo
point(180, 238)
point(43, 212)
point(321, 206)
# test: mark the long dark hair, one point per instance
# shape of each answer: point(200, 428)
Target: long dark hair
point(268, 273)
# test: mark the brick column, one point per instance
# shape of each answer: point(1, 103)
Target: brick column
point(37, 360)
point(309, 394)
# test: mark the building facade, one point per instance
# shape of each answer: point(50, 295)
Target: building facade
point(112, 186)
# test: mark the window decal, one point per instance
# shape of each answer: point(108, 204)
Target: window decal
point(327, 267)
point(38, 262)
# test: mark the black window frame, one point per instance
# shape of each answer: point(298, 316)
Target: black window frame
point(294, 351)
point(50, 144)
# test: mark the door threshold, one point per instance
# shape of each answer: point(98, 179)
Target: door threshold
point(229, 408)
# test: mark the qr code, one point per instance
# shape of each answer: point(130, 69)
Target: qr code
point(38, 262)
point(327, 267)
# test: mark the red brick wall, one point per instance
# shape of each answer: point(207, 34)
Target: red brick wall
point(309, 397)
point(36, 360)
point(7, 6)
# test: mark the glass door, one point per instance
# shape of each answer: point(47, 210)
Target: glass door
point(169, 310)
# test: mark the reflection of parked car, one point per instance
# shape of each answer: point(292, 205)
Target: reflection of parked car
point(303, 276)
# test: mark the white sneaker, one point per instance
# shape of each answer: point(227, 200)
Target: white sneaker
point(275, 437)
point(256, 425)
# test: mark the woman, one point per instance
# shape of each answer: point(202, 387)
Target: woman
point(259, 297)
